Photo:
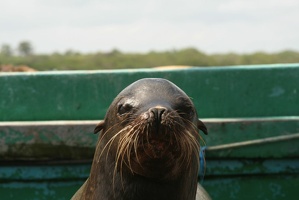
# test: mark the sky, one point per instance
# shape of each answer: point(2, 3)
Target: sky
point(212, 26)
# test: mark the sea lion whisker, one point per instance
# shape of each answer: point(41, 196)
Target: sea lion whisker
point(194, 145)
point(147, 133)
point(195, 129)
point(139, 132)
point(120, 156)
point(116, 160)
point(122, 148)
point(109, 143)
point(102, 135)
point(125, 147)
point(198, 141)
point(136, 141)
point(117, 163)
point(190, 147)
point(128, 152)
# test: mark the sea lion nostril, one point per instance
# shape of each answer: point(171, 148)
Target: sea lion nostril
point(158, 113)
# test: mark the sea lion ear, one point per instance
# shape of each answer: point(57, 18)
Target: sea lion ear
point(99, 127)
point(202, 126)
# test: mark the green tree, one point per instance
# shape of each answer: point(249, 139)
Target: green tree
point(25, 48)
point(6, 50)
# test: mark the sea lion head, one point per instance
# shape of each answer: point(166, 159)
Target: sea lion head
point(151, 129)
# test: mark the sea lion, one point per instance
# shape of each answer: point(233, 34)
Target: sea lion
point(148, 148)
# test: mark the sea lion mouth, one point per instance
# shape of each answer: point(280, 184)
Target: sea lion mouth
point(154, 148)
point(158, 138)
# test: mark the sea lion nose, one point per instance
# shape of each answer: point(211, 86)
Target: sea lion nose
point(158, 113)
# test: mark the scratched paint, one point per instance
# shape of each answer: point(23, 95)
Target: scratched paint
point(275, 187)
point(277, 91)
point(44, 172)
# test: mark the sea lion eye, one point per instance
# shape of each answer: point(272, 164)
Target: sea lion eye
point(124, 108)
point(186, 110)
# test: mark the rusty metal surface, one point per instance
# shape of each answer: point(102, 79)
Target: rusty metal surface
point(47, 140)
